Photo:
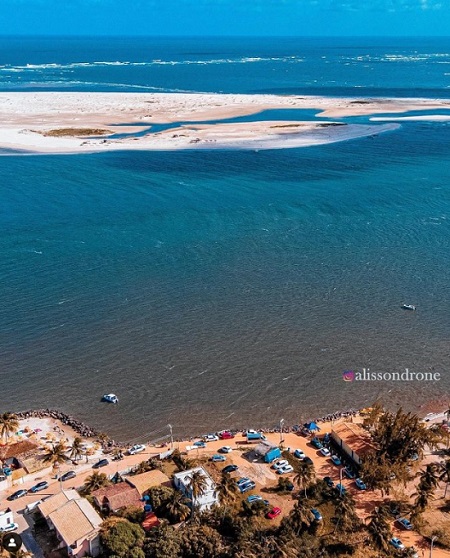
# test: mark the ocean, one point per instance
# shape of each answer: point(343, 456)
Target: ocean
point(217, 289)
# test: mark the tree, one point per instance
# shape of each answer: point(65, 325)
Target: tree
point(162, 542)
point(177, 508)
point(299, 519)
point(379, 528)
point(76, 449)
point(56, 455)
point(304, 475)
point(227, 488)
point(197, 485)
point(200, 541)
point(347, 518)
point(160, 496)
point(122, 539)
point(428, 483)
point(8, 424)
point(95, 481)
point(251, 509)
point(445, 475)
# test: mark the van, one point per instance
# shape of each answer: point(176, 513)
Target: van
point(32, 507)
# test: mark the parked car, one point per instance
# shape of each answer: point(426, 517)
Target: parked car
point(137, 448)
point(242, 480)
point(101, 463)
point(404, 523)
point(414, 457)
point(39, 486)
point(308, 460)
point(199, 444)
point(397, 543)
point(279, 463)
point(225, 449)
point(316, 443)
point(256, 498)
point(360, 484)
point(68, 475)
point(246, 487)
point(328, 481)
point(17, 494)
point(341, 488)
point(335, 459)
point(8, 528)
point(226, 435)
point(317, 515)
point(285, 469)
point(230, 469)
point(210, 438)
point(218, 457)
point(349, 473)
point(325, 452)
point(274, 512)
point(299, 454)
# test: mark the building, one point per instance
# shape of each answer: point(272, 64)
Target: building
point(144, 481)
point(208, 499)
point(268, 451)
point(353, 440)
point(75, 522)
point(117, 496)
point(21, 459)
point(6, 518)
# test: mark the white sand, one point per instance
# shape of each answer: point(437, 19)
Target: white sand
point(25, 117)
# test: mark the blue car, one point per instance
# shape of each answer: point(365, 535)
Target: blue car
point(257, 498)
point(397, 543)
point(349, 473)
point(405, 523)
point(328, 481)
point(218, 457)
point(246, 487)
point(200, 444)
point(360, 484)
point(39, 486)
point(317, 443)
point(341, 488)
point(335, 459)
point(317, 515)
point(242, 480)
point(299, 454)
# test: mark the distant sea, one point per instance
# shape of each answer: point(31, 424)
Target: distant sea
point(226, 289)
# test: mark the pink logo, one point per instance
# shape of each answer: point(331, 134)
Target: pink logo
point(348, 375)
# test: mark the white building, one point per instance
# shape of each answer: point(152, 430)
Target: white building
point(208, 499)
point(6, 518)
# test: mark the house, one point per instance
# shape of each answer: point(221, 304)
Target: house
point(75, 522)
point(144, 481)
point(6, 518)
point(268, 451)
point(117, 496)
point(208, 499)
point(353, 440)
point(22, 459)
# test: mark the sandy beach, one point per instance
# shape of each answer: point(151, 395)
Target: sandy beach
point(63, 122)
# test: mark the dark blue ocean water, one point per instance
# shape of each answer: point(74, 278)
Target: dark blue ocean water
point(214, 289)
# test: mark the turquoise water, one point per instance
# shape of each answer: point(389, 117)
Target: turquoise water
point(216, 289)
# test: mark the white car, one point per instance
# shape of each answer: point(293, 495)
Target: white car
point(225, 449)
point(137, 448)
point(210, 438)
point(285, 469)
point(325, 452)
point(8, 528)
point(279, 463)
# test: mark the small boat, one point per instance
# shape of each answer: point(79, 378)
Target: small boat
point(110, 398)
point(408, 307)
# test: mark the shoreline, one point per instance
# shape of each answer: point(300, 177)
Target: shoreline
point(71, 123)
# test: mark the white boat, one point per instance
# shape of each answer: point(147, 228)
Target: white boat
point(110, 398)
point(408, 307)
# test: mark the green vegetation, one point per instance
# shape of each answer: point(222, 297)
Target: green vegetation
point(8, 425)
point(74, 132)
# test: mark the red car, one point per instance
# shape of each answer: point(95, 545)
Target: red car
point(273, 513)
point(226, 435)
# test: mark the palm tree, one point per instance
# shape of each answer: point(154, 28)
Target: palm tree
point(8, 424)
point(227, 488)
point(56, 455)
point(177, 507)
point(304, 475)
point(95, 481)
point(379, 528)
point(76, 450)
point(197, 486)
point(345, 510)
point(445, 475)
point(300, 518)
